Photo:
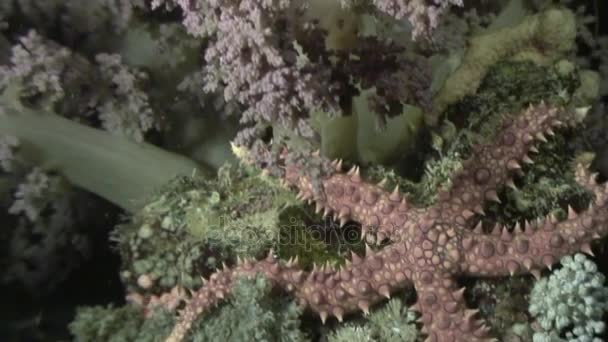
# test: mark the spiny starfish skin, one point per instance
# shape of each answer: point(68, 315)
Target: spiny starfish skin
point(430, 247)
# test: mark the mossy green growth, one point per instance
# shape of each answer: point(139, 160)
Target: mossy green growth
point(545, 187)
point(502, 302)
point(316, 241)
point(392, 323)
point(508, 88)
point(511, 86)
point(122, 324)
point(238, 212)
point(195, 223)
point(251, 315)
point(437, 174)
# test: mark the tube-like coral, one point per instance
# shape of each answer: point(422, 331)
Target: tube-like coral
point(541, 38)
point(115, 168)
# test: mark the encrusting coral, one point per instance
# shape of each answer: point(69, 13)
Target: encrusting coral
point(430, 246)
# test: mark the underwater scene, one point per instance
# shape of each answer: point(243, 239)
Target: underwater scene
point(304, 170)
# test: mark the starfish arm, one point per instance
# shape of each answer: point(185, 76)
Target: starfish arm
point(444, 315)
point(356, 286)
point(349, 197)
point(493, 164)
point(539, 245)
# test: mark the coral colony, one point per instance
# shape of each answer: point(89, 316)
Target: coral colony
point(430, 246)
point(247, 140)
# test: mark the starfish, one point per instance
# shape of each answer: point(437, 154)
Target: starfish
point(429, 247)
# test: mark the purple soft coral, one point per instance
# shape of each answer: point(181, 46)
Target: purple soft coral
point(424, 15)
point(254, 60)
